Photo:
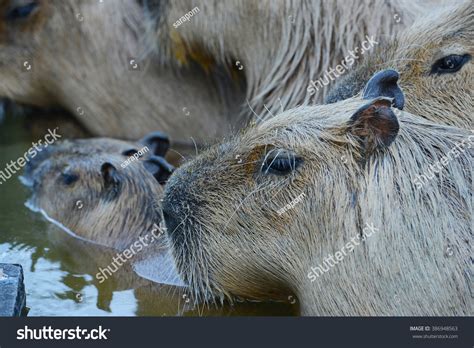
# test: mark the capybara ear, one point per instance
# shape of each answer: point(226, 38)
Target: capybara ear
point(110, 176)
point(157, 142)
point(159, 168)
point(129, 152)
point(375, 124)
point(384, 84)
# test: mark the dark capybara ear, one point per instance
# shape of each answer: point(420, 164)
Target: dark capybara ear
point(129, 152)
point(110, 176)
point(159, 168)
point(384, 84)
point(375, 124)
point(157, 142)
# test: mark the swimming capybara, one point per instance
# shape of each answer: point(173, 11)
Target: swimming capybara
point(353, 210)
point(434, 59)
point(102, 190)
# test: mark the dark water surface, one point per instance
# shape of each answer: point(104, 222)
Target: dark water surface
point(59, 269)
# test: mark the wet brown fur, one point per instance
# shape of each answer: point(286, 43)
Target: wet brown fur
point(231, 241)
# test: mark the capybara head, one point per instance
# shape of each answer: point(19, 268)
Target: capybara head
point(102, 190)
point(252, 216)
point(222, 210)
point(434, 59)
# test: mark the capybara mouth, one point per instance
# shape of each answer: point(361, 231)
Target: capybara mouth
point(191, 259)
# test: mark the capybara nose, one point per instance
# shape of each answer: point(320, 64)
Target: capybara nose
point(384, 84)
point(172, 222)
point(176, 207)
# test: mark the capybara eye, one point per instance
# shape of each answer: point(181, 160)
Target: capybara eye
point(280, 162)
point(449, 64)
point(129, 152)
point(23, 11)
point(69, 179)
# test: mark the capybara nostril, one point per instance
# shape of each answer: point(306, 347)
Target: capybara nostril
point(384, 84)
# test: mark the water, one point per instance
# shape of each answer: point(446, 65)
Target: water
point(59, 269)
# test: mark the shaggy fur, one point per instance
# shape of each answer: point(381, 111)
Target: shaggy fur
point(86, 64)
point(228, 239)
point(80, 54)
point(282, 45)
point(445, 98)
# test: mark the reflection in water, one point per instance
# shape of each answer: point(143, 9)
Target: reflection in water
point(60, 269)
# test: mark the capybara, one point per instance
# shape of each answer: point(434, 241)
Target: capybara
point(108, 192)
point(434, 59)
point(354, 210)
point(93, 58)
point(102, 190)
